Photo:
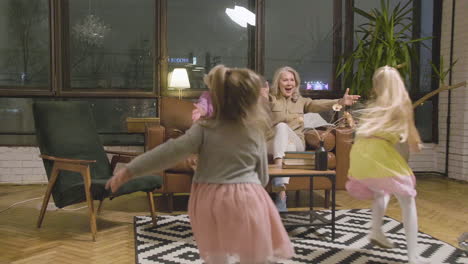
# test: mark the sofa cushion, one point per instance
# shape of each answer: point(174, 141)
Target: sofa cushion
point(313, 141)
point(313, 120)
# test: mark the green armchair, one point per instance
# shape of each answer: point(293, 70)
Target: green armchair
point(75, 161)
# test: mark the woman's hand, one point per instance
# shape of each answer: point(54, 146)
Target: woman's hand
point(264, 91)
point(120, 177)
point(348, 99)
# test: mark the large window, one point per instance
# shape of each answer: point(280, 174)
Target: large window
point(111, 44)
point(300, 36)
point(118, 54)
point(201, 35)
point(423, 80)
point(24, 44)
point(109, 114)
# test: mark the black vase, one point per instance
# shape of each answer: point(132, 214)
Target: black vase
point(321, 158)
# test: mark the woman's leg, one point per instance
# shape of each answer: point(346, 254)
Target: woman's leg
point(410, 222)
point(284, 138)
point(379, 206)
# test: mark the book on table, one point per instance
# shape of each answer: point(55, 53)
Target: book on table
point(299, 155)
point(299, 160)
point(299, 167)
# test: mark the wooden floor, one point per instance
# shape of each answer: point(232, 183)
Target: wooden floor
point(65, 237)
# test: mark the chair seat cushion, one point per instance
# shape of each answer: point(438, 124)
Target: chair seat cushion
point(144, 184)
point(76, 193)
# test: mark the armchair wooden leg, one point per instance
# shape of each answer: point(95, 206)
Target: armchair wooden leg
point(45, 202)
point(326, 202)
point(152, 208)
point(89, 199)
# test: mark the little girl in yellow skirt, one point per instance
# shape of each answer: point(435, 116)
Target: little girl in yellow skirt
point(377, 170)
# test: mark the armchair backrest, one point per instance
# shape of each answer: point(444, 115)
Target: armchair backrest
point(176, 114)
point(67, 129)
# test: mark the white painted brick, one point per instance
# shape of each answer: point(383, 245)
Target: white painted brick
point(21, 171)
point(10, 164)
point(6, 156)
point(32, 164)
point(10, 179)
point(33, 179)
point(458, 158)
point(5, 171)
point(25, 167)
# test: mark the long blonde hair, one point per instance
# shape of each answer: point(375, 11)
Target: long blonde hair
point(390, 110)
point(235, 94)
point(276, 91)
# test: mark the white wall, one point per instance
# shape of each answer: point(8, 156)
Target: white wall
point(458, 148)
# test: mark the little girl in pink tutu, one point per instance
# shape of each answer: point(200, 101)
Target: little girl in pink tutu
point(230, 212)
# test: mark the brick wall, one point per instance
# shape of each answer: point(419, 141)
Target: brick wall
point(22, 165)
point(434, 157)
point(458, 138)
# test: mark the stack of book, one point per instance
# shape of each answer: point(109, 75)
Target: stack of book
point(299, 160)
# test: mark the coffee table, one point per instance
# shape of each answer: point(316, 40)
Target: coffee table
point(314, 218)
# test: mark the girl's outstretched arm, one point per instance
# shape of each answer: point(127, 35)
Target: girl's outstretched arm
point(162, 157)
point(414, 140)
point(122, 176)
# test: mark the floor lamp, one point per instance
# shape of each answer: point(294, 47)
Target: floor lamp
point(178, 79)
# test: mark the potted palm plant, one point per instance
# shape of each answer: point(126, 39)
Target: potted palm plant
point(385, 39)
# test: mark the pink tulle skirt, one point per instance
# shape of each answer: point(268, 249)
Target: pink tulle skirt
point(237, 220)
point(399, 185)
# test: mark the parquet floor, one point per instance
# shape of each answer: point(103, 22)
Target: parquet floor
point(65, 237)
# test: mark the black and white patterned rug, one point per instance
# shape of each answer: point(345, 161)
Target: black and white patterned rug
point(172, 242)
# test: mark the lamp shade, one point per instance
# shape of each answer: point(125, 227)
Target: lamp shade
point(179, 79)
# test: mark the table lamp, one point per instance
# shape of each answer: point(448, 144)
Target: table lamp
point(178, 79)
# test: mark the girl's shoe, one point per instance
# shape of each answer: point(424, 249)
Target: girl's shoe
point(380, 240)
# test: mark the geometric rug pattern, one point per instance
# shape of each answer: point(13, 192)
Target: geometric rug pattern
point(172, 241)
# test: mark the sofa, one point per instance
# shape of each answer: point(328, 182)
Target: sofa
point(176, 118)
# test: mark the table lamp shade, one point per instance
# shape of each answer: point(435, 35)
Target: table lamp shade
point(179, 79)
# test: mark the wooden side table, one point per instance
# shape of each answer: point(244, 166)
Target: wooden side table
point(314, 218)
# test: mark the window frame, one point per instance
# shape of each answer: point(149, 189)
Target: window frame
point(342, 37)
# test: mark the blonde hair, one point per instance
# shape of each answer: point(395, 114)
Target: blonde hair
point(235, 95)
point(276, 91)
point(390, 110)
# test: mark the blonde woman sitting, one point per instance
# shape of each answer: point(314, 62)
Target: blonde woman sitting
point(287, 108)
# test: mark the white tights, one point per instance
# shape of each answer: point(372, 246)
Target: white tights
point(223, 259)
point(410, 221)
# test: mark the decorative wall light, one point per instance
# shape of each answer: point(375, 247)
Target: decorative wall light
point(241, 15)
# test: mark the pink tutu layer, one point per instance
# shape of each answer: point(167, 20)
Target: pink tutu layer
point(362, 189)
point(238, 220)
